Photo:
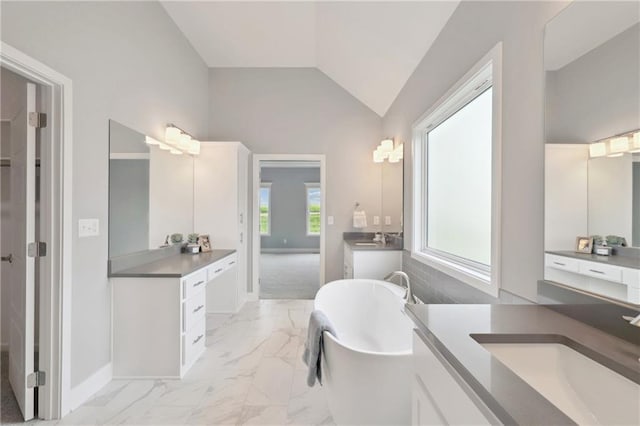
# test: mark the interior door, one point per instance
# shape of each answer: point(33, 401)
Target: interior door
point(22, 293)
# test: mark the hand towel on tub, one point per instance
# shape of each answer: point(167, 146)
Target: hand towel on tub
point(314, 346)
point(359, 219)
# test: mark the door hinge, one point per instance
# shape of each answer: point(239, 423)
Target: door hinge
point(37, 378)
point(37, 249)
point(38, 119)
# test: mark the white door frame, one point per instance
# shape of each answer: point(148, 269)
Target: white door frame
point(255, 261)
point(56, 208)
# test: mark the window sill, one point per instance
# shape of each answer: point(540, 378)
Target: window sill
point(468, 276)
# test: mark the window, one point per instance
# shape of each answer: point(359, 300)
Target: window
point(457, 179)
point(313, 208)
point(265, 209)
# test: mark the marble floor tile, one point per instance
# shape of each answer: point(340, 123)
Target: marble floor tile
point(250, 373)
point(263, 415)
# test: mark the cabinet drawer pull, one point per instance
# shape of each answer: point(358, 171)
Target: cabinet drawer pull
point(198, 339)
point(217, 270)
point(199, 283)
point(560, 264)
point(198, 308)
point(596, 271)
point(232, 262)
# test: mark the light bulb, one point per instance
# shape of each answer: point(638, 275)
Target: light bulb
point(172, 135)
point(598, 149)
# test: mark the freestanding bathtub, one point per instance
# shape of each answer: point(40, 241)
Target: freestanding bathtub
point(367, 369)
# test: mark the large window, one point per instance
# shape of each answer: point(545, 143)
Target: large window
point(265, 209)
point(457, 179)
point(313, 208)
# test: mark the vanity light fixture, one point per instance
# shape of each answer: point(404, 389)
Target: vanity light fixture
point(635, 143)
point(151, 141)
point(618, 146)
point(598, 149)
point(180, 142)
point(387, 151)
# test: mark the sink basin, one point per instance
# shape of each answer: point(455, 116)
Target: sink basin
point(367, 244)
point(586, 391)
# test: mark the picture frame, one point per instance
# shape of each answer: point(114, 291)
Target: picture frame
point(205, 243)
point(584, 245)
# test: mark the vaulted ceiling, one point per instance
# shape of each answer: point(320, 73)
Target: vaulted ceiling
point(368, 48)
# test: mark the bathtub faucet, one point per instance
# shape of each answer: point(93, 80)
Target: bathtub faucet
point(408, 296)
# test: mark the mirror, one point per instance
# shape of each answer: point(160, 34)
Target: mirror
point(592, 65)
point(592, 172)
point(150, 193)
point(392, 195)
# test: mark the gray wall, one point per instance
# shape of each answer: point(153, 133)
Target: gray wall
point(473, 29)
point(129, 62)
point(128, 206)
point(302, 111)
point(636, 205)
point(288, 208)
point(597, 95)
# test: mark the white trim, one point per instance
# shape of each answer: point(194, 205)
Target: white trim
point(311, 185)
point(451, 101)
point(92, 385)
point(266, 185)
point(55, 337)
point(257, 158)
point(129, 156)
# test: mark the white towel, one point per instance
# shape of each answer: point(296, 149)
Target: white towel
point(359, 219)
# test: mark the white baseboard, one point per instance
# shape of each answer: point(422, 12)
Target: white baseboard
point(289, 250)
point(252, 297)
point(85, 390)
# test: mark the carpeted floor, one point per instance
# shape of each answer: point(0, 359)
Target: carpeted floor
point(10, 412)
point(289, 276)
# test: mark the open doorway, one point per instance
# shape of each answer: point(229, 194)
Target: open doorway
point(289, 211)
point(35, 235)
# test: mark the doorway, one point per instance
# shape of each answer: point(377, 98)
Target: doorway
point(35, 229)
point(288, 252)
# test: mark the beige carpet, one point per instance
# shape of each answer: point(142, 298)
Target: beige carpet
point(289, 276)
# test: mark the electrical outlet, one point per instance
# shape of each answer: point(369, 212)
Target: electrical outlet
point(376, 220)
point(330, 220)
point(387, 220)
point(88, 228)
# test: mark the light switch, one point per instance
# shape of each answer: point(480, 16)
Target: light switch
point(387, 220)
point(88, 228)
point(376, 220)
point(329, 220)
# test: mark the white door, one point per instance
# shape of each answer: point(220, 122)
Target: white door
point(22, 293)
point(243, 201)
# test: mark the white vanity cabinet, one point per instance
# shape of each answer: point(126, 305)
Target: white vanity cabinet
point(610, 280)
point(439, 395)
point(159, 323)
point(221, 197)
point(373, 264)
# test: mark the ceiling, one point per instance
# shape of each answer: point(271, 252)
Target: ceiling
point(583, 26)
point(368, 48)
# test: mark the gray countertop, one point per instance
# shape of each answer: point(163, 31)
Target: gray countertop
point(353, 244)
point(175, 266)
point(616, 260)
point(450, 328)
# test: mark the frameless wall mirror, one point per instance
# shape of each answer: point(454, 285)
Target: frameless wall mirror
point(150, 193)
point(392, 195)
point(592, 85)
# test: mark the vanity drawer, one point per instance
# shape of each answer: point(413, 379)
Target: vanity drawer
point(230, 261)
point(215, 269)
point(561, 262)
point(193, 343)
point(193, 283)
point(601, 271)
point(194, 309)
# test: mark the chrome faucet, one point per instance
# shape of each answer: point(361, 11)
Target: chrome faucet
point(409, 297)
point(633, 321)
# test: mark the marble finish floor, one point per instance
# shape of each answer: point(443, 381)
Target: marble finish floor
point(251, 373)
point(289, 275)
